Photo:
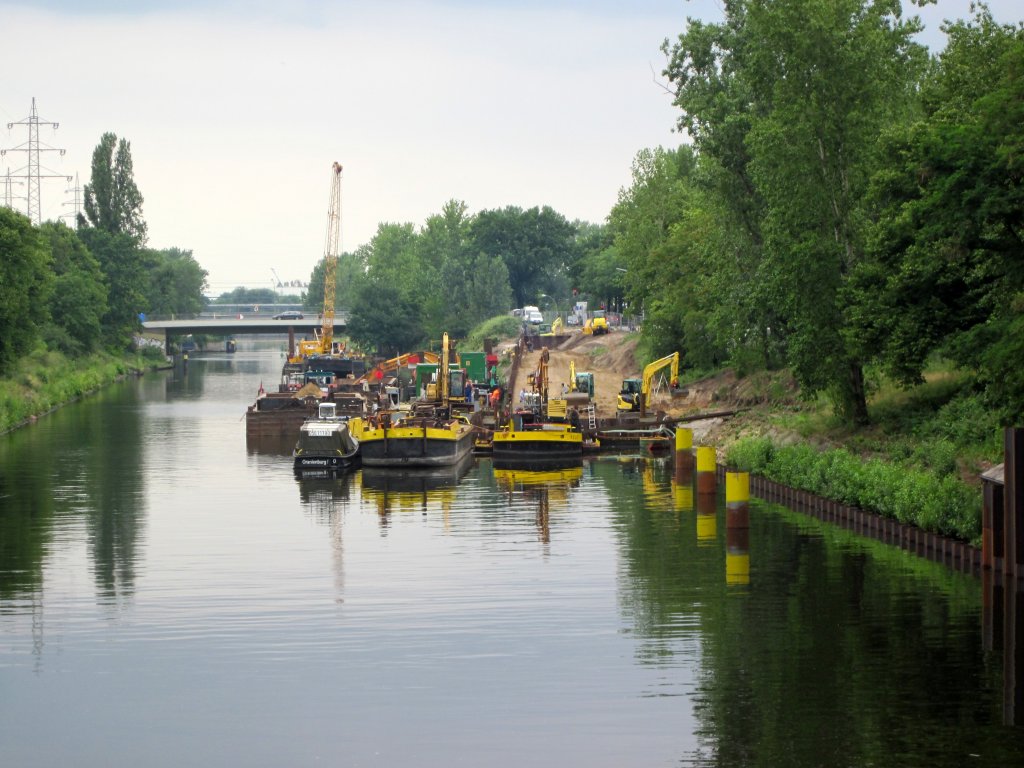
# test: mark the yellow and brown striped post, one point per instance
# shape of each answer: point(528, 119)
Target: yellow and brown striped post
point(684, 455)
point(737, 500)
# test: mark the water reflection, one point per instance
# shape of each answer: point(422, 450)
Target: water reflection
point(326, 497)
point(412, 489)
point(80, 464)
point(622, 639)
point(543, 488)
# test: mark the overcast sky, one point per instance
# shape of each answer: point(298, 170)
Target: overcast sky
point(236, 110)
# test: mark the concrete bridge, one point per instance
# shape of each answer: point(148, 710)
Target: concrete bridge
point(233, 325)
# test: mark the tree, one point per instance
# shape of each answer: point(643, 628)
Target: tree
point(25, 285)
point(123, 267)
point(176, 283)
point(243, 295)
point(537, 246)
point(946, 272)
point(112, 201)
point(79, 298)
point(388, 300)
point(815, 82)
point(384, 319)
point(347, 272)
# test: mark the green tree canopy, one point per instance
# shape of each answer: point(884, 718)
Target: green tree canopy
point(112, 201)
point(789, 98)
point(25, 285)
point(948, 248)
point(124, 269)
point(537, 245)
point(79, 299)
point(176, 283)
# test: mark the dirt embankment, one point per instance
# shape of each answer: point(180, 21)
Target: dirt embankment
point(611, 358)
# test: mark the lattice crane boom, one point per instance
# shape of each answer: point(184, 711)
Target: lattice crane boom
point(331, 258)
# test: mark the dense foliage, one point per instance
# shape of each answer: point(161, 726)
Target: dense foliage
point(409, 285)
point(848, 202)
point(933, 502)
point(79, 291)
point(25, 284)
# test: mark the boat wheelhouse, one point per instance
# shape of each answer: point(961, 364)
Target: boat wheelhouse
point(326, 441)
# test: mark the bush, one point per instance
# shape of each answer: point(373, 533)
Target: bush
point(933, 502)
point(500, 327)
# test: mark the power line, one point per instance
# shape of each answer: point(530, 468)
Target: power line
point(75, 201)
point(9, 184)
point(33, 170)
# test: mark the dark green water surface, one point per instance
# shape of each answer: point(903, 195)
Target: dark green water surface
point(170, 596)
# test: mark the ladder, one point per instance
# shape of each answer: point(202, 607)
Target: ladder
point(592, 417)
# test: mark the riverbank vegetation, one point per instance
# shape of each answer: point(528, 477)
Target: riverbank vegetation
point(45, 379)
point(71, 299)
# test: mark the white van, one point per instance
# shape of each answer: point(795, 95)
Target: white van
point(532, 315)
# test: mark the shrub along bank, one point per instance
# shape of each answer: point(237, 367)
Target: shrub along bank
point(940, 504)
point(44, 380)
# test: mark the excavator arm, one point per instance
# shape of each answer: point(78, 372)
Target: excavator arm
point(651, 371)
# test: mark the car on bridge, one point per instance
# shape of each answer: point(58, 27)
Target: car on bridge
point(291, 314)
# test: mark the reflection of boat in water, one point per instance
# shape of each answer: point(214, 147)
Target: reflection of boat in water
point(413, 488)
point(415, 479)
point(547, 488)
point(326, 442)
point(323, 490)
point(568, 476)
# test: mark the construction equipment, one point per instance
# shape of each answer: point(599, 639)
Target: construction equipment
point(554, 329)
point(635, 394)
point(598, 324)
point(323, 343)
point(580, 381)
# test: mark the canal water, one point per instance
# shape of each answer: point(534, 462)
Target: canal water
point(170, 596)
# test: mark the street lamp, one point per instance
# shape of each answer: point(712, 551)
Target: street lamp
point(549, 298)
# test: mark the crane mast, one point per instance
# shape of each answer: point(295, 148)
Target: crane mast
point(331, 258)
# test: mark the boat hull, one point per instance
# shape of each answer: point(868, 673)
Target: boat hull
point(416, 446)
point(329, 463)
point(537, 447)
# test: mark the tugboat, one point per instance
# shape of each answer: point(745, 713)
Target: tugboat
point(530, 441)
point(326, 442)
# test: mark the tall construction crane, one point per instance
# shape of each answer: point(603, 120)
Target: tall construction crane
point(323, 344)
point(331, 257)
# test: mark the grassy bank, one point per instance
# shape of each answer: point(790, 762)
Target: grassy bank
point(918, 462)
point(45, 380)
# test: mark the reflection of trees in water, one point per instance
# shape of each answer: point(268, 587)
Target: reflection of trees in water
point(85, 460)
point(26, 514)
point(837, 652)
point(115, 488)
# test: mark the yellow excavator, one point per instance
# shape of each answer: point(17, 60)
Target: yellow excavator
point(323, 343)
point(581, 381)
point(635, 394)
